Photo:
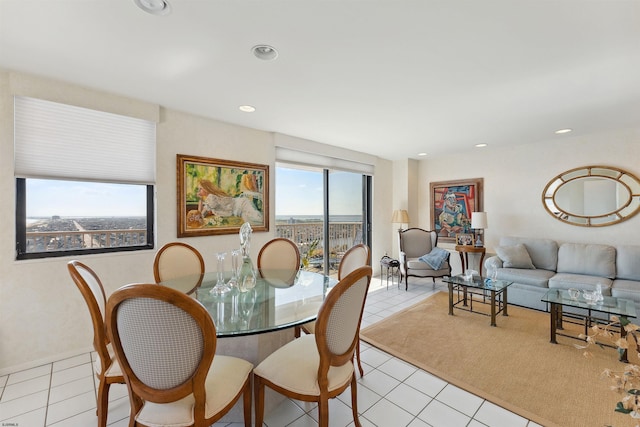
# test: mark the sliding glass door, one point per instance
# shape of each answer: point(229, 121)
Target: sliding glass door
point(315, 205)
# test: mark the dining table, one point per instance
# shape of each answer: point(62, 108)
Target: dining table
point(279, 300)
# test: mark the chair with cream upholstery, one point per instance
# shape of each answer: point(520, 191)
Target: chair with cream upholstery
point(357, 256)
point(318, 367)
point(416, 243)
point(279, 261)
point(106, 367)
point(177, 259)
point(165, 342)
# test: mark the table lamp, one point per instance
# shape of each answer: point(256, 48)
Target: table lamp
point(479, 222)
point(400, 216)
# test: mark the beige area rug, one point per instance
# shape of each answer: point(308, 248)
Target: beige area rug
point(512, 365)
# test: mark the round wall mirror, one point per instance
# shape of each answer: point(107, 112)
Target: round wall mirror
point(592, 196)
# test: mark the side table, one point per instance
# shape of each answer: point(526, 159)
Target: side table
point(465, 250)
point(392, 267)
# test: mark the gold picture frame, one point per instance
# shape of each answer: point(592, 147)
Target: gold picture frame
point(217, 196)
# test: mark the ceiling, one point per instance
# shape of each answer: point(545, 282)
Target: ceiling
point(391, 78)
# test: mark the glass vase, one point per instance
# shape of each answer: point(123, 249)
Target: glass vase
point(221, 287)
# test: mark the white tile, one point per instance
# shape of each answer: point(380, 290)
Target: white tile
point(71, 362)
point(3, 380)
point(398, 369)
point(366, 398)
point(22, 405)
point(86, 418)
point(340, 415)
point(118, 410)
point(408, 399)
point(25, 388)
point(426, 383)
point(71, 374)
point(29, 374)
point(303, 421)
point(379, 382)
point(495, 416)
point(71, 389)
point(283, 414)
point(459, 399)
point(118, 391)
point(438, 414)
point(532, 424)
point(374, 357)
point(33, 418)
point(70, 407)
point(385, 413)
point(417, 422)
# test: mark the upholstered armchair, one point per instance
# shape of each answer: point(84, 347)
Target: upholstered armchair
point(420, 256)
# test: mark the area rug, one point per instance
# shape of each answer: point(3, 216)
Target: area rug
point(512, 365)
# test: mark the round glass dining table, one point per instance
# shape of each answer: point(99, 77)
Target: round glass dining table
point(273, 304)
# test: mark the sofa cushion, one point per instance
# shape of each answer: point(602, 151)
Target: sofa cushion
point(538, 277)
point(627, 289)
point(580, 281)
point(628, 262)
point(543, 252)
point(515, 256)
point(590, 260)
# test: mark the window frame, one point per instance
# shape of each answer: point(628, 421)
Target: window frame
point(21, 229)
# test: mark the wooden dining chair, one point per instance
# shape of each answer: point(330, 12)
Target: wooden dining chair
point(106, 367)
point(279, 261)
point(357, 256)
point(318, 367)
point(179, 260)
point(165, 342)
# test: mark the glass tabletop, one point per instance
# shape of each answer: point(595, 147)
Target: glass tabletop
point(610, 305)
point(478, 282)
point(271, 305)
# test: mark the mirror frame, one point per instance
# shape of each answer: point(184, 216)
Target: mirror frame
point(620, 176)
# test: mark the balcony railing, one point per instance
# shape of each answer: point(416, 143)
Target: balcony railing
point(342, 235)
point(44, 241)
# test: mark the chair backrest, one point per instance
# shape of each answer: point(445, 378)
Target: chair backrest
point(92, 290)
point(279, 260)
point(164, 340)
point(356, 256)
point(177, 259)
point(338, 322)
point(415, 242)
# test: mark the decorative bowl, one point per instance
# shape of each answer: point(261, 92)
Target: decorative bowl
point(590, 297)
point(574, 294)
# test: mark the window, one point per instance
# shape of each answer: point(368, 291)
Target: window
point(84, 180)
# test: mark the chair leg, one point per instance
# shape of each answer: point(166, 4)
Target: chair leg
point(358, 359)
point(258, 396)
point(296, 331)
point(323, 411)
point(103, 403)
point(354, 400)
point(247, 403)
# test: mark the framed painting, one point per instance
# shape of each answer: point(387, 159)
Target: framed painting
point(451, 205)
point(464, 239)
point(218, 196)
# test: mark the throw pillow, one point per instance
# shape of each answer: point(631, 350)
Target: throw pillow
point(435, 258)
point(515, 256)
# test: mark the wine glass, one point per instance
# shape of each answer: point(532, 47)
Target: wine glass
point(221, 287)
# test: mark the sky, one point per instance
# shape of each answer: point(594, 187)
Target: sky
point(298, 192)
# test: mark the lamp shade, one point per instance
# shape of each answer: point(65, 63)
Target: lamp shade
point(400, 216)
point(479, 220)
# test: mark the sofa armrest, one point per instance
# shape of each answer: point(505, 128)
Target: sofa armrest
point(493, 263)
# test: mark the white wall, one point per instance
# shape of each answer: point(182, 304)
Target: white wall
point(515, 177)
point(42, 314)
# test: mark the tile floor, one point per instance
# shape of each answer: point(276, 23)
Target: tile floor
point(392, 393)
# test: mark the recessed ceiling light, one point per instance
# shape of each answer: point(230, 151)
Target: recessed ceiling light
point(265, 52)
point(481, 145)
point(561, 131)
point(422, 154)
point(154, 7)
point(247, 108)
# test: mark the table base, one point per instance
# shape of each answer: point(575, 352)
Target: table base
point(496, 299)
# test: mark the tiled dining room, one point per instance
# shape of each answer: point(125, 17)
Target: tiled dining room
point(392, 393)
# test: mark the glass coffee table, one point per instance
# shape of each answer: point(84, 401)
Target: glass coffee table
point(598, 313)
point(492, 292)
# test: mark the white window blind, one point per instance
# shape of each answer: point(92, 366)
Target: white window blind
point(60, 141)
point(289, 155)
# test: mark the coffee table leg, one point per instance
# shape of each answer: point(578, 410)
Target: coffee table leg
point(554, 322)
point(623, 334)
point(451, 299)
point(504, 301)
point(493, 308)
